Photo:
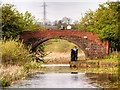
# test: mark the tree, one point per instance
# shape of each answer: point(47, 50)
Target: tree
point(64, 22)
point(0, 13)
point(0, 21)
point(13, 22)
point(104, 21)
point(11, 25)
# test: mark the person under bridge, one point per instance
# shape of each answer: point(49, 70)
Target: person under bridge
point(74, 54)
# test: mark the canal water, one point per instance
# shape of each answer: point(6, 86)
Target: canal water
point(58, 79)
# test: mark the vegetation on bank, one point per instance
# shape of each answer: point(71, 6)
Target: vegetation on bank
point(105, 21)
point(17, 61)
point(10, 73)
point(15, 53)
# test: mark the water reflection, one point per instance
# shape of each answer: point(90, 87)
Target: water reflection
point(75, 78)
point(68, 79)
point(55, 80)
point(105, 80)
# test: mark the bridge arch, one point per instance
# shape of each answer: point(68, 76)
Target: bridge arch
point(87, 41)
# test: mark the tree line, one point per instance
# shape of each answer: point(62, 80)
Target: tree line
point(105, 21)
point(14, 22)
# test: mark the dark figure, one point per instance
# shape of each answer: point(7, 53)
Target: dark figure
point(72, 55)
point(76, 53)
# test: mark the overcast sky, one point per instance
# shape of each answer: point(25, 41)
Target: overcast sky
point(56, 9)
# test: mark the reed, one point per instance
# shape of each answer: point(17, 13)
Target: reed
point(11, 73)
point(15, 53)
point(14, 57)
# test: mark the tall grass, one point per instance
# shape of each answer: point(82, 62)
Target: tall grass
point(114, 56)
point(11, 73)
point(15, 53)
point(14, 59)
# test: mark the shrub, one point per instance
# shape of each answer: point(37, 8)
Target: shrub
point(15, 53)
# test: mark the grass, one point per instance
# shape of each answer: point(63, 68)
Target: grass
point(12, 73)
point(16, 63)
point(59, 45)
point(59, 51)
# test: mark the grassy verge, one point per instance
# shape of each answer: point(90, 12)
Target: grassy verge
point(12, 73)
point(16, 63)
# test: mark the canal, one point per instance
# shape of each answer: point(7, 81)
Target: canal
point(61, 76)
point(56, 80)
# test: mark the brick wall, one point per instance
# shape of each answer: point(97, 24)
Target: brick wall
point(92, 38)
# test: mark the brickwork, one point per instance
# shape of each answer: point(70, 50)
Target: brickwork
point(87, 41)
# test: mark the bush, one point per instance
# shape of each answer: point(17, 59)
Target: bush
point(15, 53)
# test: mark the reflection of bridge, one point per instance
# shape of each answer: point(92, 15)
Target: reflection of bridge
point(87, 41)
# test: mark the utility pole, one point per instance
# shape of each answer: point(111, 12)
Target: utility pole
point(44, 13)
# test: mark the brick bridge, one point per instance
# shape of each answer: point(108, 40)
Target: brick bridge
point(87, 41)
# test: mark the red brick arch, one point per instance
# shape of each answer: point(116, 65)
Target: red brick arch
point(87, 41)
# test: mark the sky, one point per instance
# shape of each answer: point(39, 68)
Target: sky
point(56, 9)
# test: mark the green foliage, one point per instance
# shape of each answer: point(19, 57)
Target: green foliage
point(32, 65)
point(10, 21)
point(104, 21)
point(5, 81)
point(28, 22)
point(13, 22)
point(0, 14)
point(15, 53)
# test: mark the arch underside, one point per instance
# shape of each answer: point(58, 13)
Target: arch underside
point(90, 48)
